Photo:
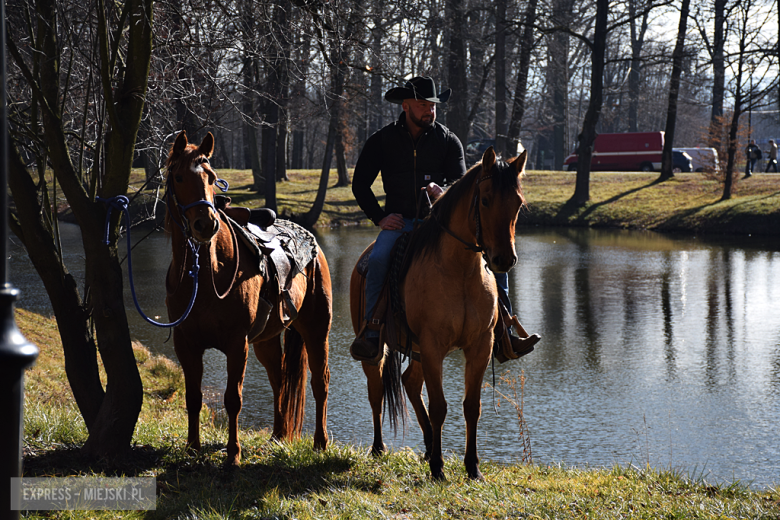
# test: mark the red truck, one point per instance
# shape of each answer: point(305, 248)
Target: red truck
point(634, 151)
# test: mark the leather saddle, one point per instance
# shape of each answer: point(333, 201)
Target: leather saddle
point(282, 248)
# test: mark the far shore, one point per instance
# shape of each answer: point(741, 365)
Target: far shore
point(688, 203)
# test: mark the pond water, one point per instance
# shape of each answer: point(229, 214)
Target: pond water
point(657, 349)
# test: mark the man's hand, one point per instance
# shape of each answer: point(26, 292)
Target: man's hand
point(434, 190)
point(392, 222)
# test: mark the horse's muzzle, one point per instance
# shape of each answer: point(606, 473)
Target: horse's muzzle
point(500, 264)
point(204, 228)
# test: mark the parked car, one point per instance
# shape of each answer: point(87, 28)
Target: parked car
point(681, 162)
point(632, 151)
point(476, 147)
point(702, 159)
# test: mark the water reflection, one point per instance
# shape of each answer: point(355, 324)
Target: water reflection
point(656, 349)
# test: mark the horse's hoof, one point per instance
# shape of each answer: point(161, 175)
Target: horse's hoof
point(378, 451)
point(438, 476)
point(320, 442)
point(477, 475)
point(232, 462)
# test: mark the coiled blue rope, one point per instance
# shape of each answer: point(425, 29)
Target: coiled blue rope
point(120, 202)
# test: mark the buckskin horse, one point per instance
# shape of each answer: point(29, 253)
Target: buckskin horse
point(236, 305)
point(451, 302)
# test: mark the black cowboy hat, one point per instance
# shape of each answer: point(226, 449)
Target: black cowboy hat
point(417, 88)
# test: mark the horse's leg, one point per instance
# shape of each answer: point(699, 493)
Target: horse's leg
point(313, 323)
point(476, 363)
point(376, 396)
point(413, 383)
point(432, 359)
point(191, 361)
point(269, 353)
point(315, 340)
point(236, 367)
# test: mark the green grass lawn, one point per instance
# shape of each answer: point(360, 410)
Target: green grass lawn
point(689, 202)
point(291, 480)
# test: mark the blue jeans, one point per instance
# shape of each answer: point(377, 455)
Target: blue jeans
point(379, 263)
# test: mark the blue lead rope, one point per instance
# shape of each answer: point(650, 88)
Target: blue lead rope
point(120, 202)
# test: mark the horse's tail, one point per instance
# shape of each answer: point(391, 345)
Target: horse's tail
point(395, 401)
point(293, 391)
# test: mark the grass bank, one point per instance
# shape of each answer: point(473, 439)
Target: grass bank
point(689, 202)
point(291, 480)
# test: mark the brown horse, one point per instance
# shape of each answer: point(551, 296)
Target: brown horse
point(231, 308)
point(451, 301)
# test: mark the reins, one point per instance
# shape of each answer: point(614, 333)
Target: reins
point(235, 271)
point(475, 247)
point(120, 202)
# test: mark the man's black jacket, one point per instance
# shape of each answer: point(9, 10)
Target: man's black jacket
point(406, 167)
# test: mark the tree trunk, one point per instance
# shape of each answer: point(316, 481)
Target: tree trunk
point(282, 83)
point(635, 75)
point(251, 152)
point(521, 86)
point(340, 150)
point(502, 145)
point(457, 116)
point(718, 61)
point(375, 119)
point(559, 82)
point(111, 415)
point(34, 231)
point(588, 136)
point(674, 91)
point(310, 218)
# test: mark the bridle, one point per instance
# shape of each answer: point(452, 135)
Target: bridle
point(470, 246)
point(186, 229)
point(173, 202)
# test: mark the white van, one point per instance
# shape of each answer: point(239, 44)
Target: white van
point(702, 159)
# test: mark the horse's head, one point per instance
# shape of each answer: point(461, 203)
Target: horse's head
point(190, 188)
point(498, 200)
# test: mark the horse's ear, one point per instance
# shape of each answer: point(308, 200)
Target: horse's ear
point(207, 145)
point(520, 161)
point(180, 144)
point(488, 161)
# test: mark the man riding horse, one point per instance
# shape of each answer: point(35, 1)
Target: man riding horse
point(413, 153)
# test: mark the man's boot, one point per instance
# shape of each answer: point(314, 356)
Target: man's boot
point(367, 350)
point(510, 346)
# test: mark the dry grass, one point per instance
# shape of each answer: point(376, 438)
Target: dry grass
point(690, 202)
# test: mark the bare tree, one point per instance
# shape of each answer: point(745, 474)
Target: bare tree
point(588, 134)
point(674, 87)
point(754, 79)
point(90, 148)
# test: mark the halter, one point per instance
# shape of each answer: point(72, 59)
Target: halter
point(475, 247)
point(184, 225)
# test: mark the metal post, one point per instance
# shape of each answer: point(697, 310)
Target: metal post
point(750, 103)
point(16, 353)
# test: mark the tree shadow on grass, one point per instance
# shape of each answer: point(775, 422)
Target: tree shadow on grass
point(201, 485)
point(573, 210)
point(201, 482)
point(67, 460)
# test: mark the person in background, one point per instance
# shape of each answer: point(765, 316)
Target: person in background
point(771, 156)
point(752, 155)
point(413, 153)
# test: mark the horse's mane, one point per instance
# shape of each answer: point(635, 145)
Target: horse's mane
point(427, 238)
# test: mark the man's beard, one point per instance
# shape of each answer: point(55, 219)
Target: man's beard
point(426, 122)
